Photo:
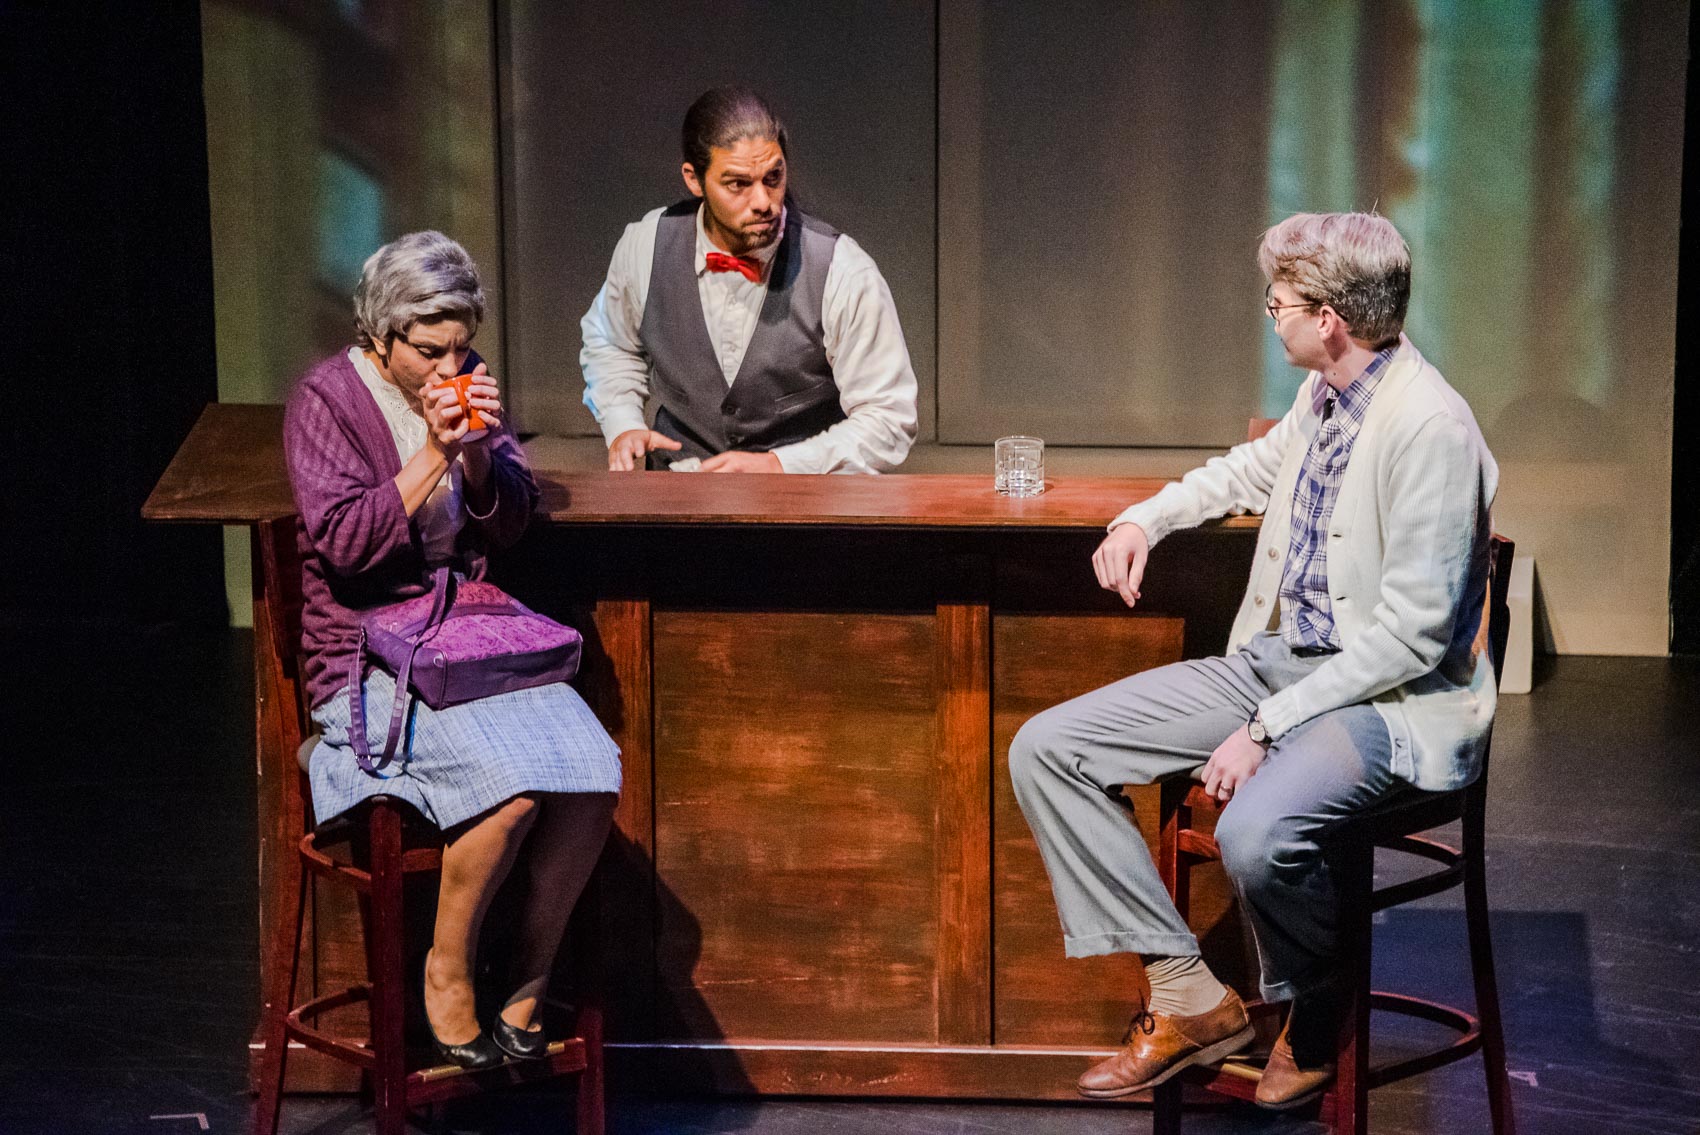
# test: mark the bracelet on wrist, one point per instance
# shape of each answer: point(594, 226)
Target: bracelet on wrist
point(495, 499)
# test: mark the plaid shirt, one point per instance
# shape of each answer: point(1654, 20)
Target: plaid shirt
point(1307, 613)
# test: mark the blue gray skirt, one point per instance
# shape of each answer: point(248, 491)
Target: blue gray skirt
point(453, 764)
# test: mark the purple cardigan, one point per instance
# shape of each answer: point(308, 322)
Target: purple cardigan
point(359, 549)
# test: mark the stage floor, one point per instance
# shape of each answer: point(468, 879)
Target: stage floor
point(127, 936)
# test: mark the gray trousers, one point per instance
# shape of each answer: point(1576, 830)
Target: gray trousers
point(1067, 762)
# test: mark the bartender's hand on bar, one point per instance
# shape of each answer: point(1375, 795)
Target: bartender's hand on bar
point(1120, 561)
point(629, 448)
point(738, 461)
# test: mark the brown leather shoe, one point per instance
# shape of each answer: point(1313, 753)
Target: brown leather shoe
point(1285, 1084)
point(1158, 1045)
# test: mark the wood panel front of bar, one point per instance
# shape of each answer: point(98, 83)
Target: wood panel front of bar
point(820, 882)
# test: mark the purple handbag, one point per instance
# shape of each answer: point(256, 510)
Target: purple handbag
point(464, 641)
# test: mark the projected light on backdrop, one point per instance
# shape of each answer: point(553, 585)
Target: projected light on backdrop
point(1495, 140)
point(1101, 198)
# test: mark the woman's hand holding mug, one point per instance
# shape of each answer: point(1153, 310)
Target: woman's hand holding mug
point(462, 409)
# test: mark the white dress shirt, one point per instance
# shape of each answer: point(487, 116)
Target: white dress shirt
point(440, 518)
point(862, 336)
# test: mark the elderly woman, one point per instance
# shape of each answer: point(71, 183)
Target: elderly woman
point(389, 487)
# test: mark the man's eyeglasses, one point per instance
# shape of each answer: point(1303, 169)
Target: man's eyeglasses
point(1275, 309)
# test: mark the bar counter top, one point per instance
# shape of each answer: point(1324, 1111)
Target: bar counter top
point(230, 471)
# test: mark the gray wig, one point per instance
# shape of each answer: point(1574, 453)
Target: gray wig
point(421, 276)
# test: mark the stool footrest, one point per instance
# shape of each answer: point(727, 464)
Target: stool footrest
point(1238, 1079)
point(435, 1082)
point(446, 1081)
point(1468, 1042)
point(354, 1051)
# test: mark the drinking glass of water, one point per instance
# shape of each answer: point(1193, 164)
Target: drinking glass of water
point(1019, 466)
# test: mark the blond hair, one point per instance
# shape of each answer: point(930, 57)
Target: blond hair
point(1356, 263)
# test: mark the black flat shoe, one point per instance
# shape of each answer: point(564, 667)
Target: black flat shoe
point(521, 1044)
point(475, 1055)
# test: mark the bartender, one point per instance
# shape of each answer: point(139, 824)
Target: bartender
point(768, 339)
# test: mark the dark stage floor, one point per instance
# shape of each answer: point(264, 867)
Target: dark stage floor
point(127, 936)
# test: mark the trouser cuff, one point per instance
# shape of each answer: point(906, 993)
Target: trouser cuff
point(1130, 942)
point(1296, 988)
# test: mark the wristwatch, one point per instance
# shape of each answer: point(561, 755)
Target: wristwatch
point(1256, 729)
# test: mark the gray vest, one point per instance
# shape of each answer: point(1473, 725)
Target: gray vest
point(784, 391)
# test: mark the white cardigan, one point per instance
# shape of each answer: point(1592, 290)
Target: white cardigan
point(1407, 564)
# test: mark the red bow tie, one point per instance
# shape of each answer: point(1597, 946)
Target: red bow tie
point(748, 265)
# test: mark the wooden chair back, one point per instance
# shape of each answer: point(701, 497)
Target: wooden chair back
point(1496, 616)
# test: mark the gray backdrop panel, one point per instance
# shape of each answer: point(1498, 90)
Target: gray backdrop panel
point(592, 99)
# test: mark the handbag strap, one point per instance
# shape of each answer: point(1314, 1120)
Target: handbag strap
point(441, 586)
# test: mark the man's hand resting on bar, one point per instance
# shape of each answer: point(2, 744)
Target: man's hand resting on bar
point(629, 448)
point(738, 461)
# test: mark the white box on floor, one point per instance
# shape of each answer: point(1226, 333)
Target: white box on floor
point(1520, 645)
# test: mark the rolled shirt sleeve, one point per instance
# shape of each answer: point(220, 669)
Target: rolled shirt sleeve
point(871, 368)
point(1235, 483)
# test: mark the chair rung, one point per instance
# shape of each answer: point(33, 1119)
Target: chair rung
point(1419, 888)
point(347, 1049)
point(1199, 846)
point(1238, 1079)
point(1426, 848)
point(1232, 1078)
point(1463, 1047)
point(1418, 813)
point(432, 1083)
point(415, 860)
point(421, 859)
point(1432, 1011)
point(1467, 1043)
point(329, 867)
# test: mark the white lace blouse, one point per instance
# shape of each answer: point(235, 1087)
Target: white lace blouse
point(441, 516)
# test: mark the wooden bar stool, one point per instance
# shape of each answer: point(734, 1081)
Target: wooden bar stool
point(1398, 826)
point(374, 852)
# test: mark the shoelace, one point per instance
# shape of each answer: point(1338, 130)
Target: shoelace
point(1143, 1022)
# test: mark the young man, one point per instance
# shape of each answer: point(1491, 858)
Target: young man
point(1375, 490)
point(768, 339)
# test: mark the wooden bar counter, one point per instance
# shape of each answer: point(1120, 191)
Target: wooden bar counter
point(820, 882)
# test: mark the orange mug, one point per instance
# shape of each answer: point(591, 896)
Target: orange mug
point(475, 423)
